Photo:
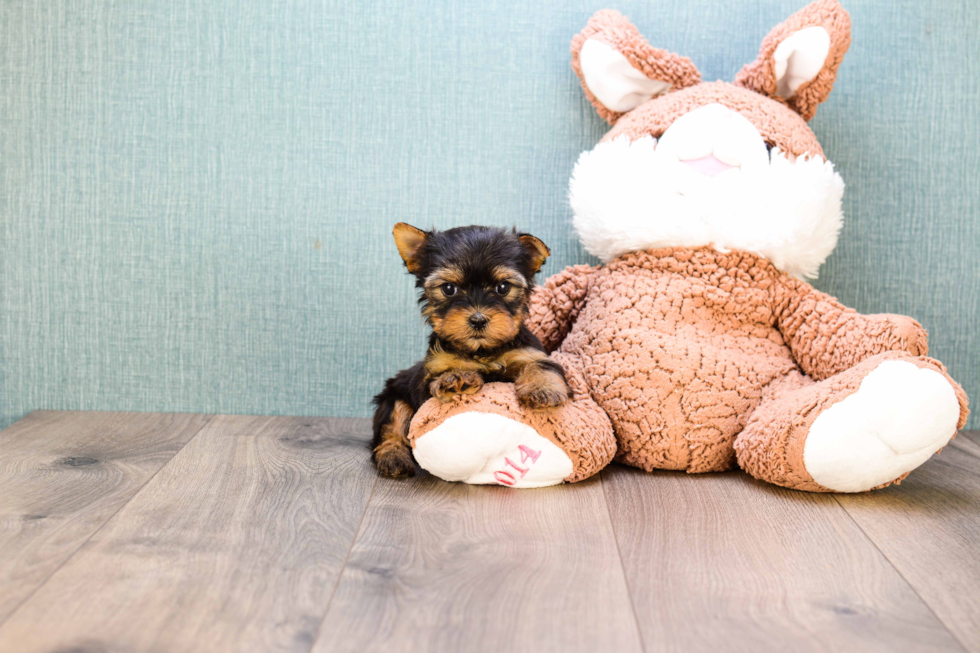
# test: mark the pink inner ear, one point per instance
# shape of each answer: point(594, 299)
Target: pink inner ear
point(709, 165)
point(760, 75)
point(614, 30)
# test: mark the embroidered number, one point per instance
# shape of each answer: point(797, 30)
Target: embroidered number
point(504, 478)
point(507, 478)
point(522, 470)
point(527, 452)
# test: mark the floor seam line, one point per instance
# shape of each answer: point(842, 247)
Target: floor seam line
point(102, 525)
point(619, 552)
point(898, 571)
point(343, 567)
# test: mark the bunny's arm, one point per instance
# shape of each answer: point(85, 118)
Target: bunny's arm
point(556, 304)
point(827, 338)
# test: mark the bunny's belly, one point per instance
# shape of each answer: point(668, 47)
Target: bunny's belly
point(678, 346)
point(678, 402)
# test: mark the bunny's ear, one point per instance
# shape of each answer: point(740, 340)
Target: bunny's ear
point(620, 70)
point(799, 58)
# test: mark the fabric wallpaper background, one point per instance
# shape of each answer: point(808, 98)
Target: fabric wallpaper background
point(196, 198)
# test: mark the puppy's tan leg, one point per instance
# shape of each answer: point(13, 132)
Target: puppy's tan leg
point(539, 381)
point(541, 388)
point(393, 456)
point(454, 383)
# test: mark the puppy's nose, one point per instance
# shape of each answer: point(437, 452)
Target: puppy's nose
point(478, 320)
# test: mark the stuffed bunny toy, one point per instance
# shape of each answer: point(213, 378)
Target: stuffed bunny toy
point(697, 345)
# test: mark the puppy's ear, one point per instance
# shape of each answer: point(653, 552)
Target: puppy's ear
point(537, 252)
point(410, 241)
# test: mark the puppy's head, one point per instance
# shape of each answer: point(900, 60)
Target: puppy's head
point(476, 281)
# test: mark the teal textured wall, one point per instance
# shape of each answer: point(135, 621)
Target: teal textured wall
point(196, 198)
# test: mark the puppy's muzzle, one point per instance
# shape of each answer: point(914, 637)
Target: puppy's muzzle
point(479, 321)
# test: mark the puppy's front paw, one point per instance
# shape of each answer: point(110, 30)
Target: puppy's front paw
point(394, 462)
point(542, 390)
point(449, 385)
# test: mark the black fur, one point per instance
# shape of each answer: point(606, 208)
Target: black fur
point(474, 253)
point(475, 250)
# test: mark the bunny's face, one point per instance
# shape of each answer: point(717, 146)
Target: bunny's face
point(696, 164)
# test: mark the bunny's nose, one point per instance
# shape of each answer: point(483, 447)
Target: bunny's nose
point(709, 165)
point(478, 320)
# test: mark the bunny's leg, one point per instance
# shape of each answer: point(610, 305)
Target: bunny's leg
point(861, 429)
point(491, 438)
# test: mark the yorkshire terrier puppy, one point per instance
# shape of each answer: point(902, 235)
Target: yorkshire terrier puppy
point(475, 285)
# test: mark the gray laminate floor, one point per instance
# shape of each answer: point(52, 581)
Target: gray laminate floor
point(176, 533)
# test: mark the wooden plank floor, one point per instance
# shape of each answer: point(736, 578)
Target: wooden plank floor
point(150, 532)
point(62, 476)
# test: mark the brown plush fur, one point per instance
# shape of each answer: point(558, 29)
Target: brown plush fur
point(690, 358)
point(760, 75)
point(693, 358)
point(614, 29)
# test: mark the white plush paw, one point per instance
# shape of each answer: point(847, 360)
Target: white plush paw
point(900, 416)
point(485, 448)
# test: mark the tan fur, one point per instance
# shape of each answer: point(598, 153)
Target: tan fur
point(394, 454)
point(503, 327)
point(511, 276)
point(540, 388)
point(443, 275)
point(439, 360)
point(409, 241)
point(538, 250)
point(455, 327)
point(453, 375)
point(515, 360)
point(454, 383)
point(510, 363)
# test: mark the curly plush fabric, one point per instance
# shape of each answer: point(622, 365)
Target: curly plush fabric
point(697, 349)
point(760, 75)
point(776, 122)
point(679, 346)
point(771, 446)
point(612, 28)
point(580, 427)
point(697, 359)
point(557, 303)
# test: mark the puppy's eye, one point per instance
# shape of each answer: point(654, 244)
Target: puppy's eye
point(449, 289)
point(502, 288)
